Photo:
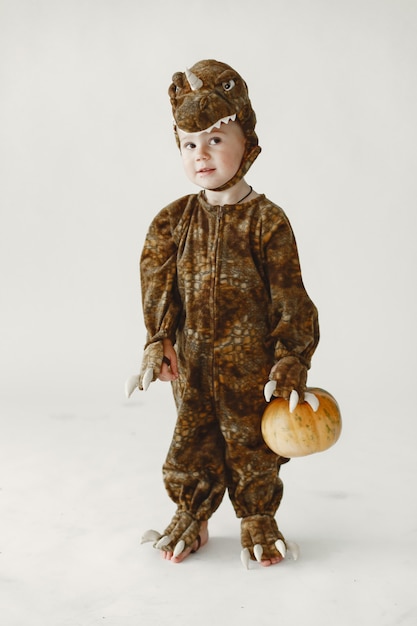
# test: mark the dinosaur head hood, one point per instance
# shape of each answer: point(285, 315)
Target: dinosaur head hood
point(211, 93)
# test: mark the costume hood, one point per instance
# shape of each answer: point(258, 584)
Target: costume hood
point(211, 93)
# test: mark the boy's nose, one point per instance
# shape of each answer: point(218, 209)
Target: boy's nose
point(201, 155)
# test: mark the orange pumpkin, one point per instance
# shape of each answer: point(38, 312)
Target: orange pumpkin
point(304, 431)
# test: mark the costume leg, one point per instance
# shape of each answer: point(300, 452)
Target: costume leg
point(194, 470)
point(256, 491)
point(254, 485)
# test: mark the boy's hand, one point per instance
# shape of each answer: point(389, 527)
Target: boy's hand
point(169, 365)
point(287, 376)
point(159, 361)
point(151, 364)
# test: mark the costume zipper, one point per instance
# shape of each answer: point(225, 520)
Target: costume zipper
point(217, 247)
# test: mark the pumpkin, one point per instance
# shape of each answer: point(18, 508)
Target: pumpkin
point(304, 431)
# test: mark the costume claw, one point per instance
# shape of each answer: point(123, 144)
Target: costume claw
point(150, 535)
point(258, 552)
point(312, 400)
point(131, 384)
point(147, 378)
point(280, 546)
point(164, 541)
point(293, 549)
point(269, 389)
point(245, 557)
point(294, 397)
point(179, 548)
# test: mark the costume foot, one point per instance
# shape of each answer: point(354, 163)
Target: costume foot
point(182, 537)
point(262, 541)
point(180, 552)
point(291, 549)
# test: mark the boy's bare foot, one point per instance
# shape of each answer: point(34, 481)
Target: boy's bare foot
point(200, 541)
point(272, 561)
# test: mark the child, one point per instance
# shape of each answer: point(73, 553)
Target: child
point(225, 309)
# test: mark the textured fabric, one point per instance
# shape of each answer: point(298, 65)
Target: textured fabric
point(183, 527)
point(289, 373)
point(224, 284)
point(261, 530)
point(152, 360)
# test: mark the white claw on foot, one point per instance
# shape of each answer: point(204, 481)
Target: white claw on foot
point(258, 552)
point(293, 549)
point(164, 541)
point(147, 378)
point(131, 384)
point(179, 548)
point(269, 389)
point(245, 557)
point(312, 400)
point(280, 546)
point(294, 397)
point(150, 535)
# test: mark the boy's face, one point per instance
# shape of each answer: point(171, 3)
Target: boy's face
point(211, 159)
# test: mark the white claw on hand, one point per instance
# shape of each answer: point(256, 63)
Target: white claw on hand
point(312, 400)
point(293, 549)
point(179, 548)
point(269, 389)
point(164, 541)
point(280, 546)
point(147, 378)
point(150, 535)
point(258, 552)
point(245, 557)
point(294, 398)
point(131, 384)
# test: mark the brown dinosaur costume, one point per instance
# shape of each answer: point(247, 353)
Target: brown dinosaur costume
point(224, 285)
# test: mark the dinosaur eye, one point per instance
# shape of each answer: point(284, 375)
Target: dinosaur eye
point(228, 85)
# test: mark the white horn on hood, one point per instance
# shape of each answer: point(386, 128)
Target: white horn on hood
point(195, 82)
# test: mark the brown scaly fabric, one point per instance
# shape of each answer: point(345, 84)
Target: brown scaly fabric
point(209, 92)
point(182, 527)
point(260, 530)
point(224, 285)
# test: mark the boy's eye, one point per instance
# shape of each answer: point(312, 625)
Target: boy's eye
point(215, 140)
point(189, 145)
point(228, 85)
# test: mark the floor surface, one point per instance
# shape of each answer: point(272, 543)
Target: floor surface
point(81, 482)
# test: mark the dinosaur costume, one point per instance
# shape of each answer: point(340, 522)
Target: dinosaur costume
point(224, 285)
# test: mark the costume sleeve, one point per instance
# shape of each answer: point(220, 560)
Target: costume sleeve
point(158, 270)
point(294, 316)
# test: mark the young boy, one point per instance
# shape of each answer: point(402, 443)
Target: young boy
point(225, 310)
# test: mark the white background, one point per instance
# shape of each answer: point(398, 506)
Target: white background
point(87, 158)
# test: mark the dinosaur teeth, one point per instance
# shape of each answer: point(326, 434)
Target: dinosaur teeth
point(223, 120)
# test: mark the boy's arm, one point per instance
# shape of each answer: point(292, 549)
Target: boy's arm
point(160, 300)
point(296, 331)
point(158, 272)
